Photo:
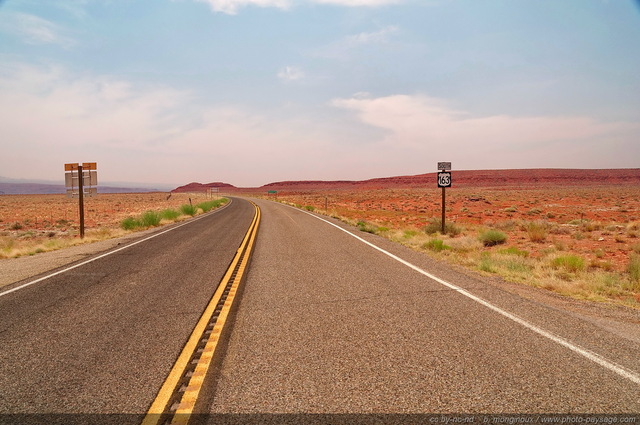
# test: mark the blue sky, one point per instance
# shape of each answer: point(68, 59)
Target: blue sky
point(254, 91)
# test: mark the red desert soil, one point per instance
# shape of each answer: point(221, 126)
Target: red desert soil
point(565, 197)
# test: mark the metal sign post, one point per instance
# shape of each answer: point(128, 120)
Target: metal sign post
point(444, 181)
point(83, 177)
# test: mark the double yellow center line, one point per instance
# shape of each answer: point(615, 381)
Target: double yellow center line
point(177, 397)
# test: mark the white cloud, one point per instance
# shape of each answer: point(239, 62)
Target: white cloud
point(423, 126)
point(150, 133)
point(35, 30)
point(231, 7)
point(50, 116)
point(356, 3)
point(290, 73)
point(342, 49)
point(380, 36)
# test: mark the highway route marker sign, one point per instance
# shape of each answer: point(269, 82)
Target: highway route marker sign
point(444, 181)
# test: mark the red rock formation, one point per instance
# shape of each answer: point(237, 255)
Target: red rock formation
point(461, 178)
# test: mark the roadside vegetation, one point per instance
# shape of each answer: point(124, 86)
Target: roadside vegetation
point(576, 256)
point(54, 224)
point(157, 218)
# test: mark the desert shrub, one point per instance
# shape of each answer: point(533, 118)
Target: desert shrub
point(571, 263)
point(486, 263)
point(209, 205)
point(130, 223)
point(633, 268)
point(15, 226)
point(363, 226)
point(188, 209)
point(590, 226)
point(205, 206)
point(559, 244)
point(309, 208)
point(435, 226)
point(465, 244)
point(436, 245)
point(604, 265)
point(511, 210)
point(517, 265)
point(7, 244)
point(407, 234)
point(512, 250)
point(492, 237)
point(150, 219)
point(169, 214)
point(537, 231)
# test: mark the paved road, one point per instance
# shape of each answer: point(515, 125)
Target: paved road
point(101, 338)
point(328, 324)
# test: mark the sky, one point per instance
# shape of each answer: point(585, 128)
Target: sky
point(250, 92)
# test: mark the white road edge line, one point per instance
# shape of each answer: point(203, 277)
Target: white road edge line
point(594, 357)
point(24, 285)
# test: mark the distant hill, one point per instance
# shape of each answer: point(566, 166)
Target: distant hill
point(462, 178)
point(203, 187)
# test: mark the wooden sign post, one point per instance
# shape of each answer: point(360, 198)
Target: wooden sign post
point(83, 177)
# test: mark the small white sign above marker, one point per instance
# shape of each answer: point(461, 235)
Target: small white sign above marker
point(444, 166)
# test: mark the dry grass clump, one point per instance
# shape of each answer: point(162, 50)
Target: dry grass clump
point(492, 237)
point(33, 243)
point(436, 245)
point(570, 263)
point(465, 244)
point(633, 269)
point(537, 231)
point(435, 226)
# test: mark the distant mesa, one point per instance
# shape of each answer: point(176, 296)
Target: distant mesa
point(203, 187)
point(524, 178)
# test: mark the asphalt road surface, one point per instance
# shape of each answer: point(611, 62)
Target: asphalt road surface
point(326, 324)
point(102, 337)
